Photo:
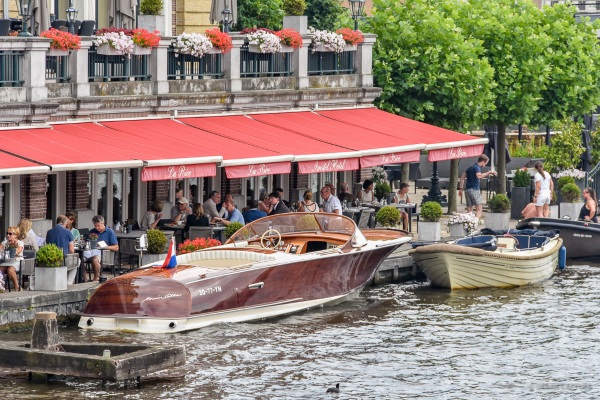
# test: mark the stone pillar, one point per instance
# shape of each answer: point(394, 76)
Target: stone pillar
point(45, 331)
point(231, 64)
point(301, 63)
point(33, 75)
point(78, 65)
point(363, 62)
point(158, 66)
point(297, 23)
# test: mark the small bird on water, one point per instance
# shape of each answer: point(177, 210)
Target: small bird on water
point(335, 389)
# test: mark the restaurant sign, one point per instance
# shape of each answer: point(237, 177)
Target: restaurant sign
point(455, 152)
point(247, 171)
point(318, 166)
point(390, 158)
point(178, 172)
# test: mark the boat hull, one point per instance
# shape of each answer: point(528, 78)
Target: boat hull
point(579, 238)
point(455, 267)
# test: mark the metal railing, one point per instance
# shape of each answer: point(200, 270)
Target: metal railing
point(329, 63)
point(117, 68)
point(10, 68)
point(187, 66)
point(57, 69)
point(592, 178)
point(582, 5)
point(254, 65)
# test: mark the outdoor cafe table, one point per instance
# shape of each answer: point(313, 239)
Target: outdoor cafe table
point(219, 232)
point(408, 207)
point(131, 235)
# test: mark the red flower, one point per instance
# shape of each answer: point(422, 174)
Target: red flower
point(144, 38)
point(62, 40)
point(220, 40)
point(189, 246)
point(290, 37)
point(350, 36)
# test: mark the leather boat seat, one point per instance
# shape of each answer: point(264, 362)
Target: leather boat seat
point(226, 254)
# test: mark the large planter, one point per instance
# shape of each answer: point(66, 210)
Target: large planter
point(430, 231)
point(51, 279)
point(497, 221)
point(57, 52)
point(152, 23)
point(108, 50)
point(141, 51)
point(321, 48)
point(554, 211)
point(457, 231)
point(254, 48)
point(520, 197)
point(570, 210)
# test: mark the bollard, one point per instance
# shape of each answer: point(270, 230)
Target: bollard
point(45, 331)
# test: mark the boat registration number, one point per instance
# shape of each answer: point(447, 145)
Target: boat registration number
point(209, 290)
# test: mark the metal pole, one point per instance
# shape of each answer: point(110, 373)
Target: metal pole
point(520, 132)
point(355, 23)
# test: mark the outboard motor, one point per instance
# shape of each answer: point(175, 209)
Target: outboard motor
point(562, 258)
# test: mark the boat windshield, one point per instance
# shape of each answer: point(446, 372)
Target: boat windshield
point(298, 223)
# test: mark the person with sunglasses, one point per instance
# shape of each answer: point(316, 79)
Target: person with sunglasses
point(10, 266)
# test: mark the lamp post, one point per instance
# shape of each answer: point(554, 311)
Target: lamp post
point(71, 17)
point(356, 7)
point(24, 7)
point(227, 17)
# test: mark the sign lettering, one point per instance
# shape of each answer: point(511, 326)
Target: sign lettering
point(330, 165)
point(262, 169)
point(182, 172)
point(456, 152)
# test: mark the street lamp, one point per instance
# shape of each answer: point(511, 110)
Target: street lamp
point(357, 7)
point(24, 7)
point(71, 17)
point(227, 17)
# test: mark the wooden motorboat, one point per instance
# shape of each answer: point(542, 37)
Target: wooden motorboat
point(581, 238)
point(272, 266)
point(489, 261)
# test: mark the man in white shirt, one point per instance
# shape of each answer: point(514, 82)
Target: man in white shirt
point(210, 206)
point(331, 204)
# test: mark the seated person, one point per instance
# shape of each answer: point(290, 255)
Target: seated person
point(402, 198)
point(196, 218)
point(253, 212)
point(106, 235)
point(367, 194)
point(345, 194)
point(184, 210)
point(280, 191)
point(530, 211)
point(234, 215)
point(10, 266)
point(277, 206)
point(152, 216)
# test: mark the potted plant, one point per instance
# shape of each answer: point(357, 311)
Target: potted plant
point(152, 16)
point(462, 224)
point(388, 216)
point(113, 42)
point(157, 246)
point(144, 41)
point(351, 37)
point(232, 228)
point(220, 40)
point(294, 17)
point(189, 246)
point(560, 182)
point(93, 239)
point(325, 41)
point(290, 40)
point(61, 42)
point(498, 217)
point(520, 194)
point(429, 223)
point(50, 271)
point(382, 189)
point(572, 204)
point(195, 44)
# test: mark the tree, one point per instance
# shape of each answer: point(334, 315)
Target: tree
point(260, 14)
point(322, 14)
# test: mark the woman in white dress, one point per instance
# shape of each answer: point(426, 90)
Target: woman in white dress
point(402, 198)
point(306, 204)
point(367, 194)
point(543, 190)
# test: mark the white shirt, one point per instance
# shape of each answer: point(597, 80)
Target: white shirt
point(332, 204)
point(544, 182)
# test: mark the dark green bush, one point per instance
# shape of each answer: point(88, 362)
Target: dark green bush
point(156, 241)
point(563, 181)
point(294, 7)
point(49, 255)
point(499, 203)
point(431, 211)
point(151, 7)
point(571, 193)
point(382, 189)
point(388, 216)
point(522, 179)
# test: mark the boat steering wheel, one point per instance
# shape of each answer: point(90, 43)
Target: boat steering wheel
point(268, 242)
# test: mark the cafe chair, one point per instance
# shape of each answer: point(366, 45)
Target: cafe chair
point(86, 28)
point(27, 270)
point(57, 23)
point(84, 232)
point(363, 219)
point(201, 232)
point(4, 27)
point(72, 263)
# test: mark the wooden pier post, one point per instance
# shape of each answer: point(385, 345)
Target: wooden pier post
point(45, 331)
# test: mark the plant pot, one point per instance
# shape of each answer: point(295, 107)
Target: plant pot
point(152, 23)
point(520, 197)
point(214, 50)
point(51, 279)
point(457, 231)
point(286, 49)
point(141, 51)
point(350, 47)
point(107, 50)
point(254, 48)
point(497, 221)
point(12, 252)
point(430, 230)
point(57, 52)
point(93, 244)
point(571, 210)
point(554, 211)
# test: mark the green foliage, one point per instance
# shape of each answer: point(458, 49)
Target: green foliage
point(532, 147)
point(521, 179)
point(566, 147)
point(431, 211)
point(323, 14)
point(388, 216)
point(233, 228)
point(151, 7)
point(562, 181)
point(499, 203)
point(260, 14)
point(595, 145)
point(382, 189)
point(294, 7)
point(571, 193)
point(428, 68)
point(157, 241)
point(49, 255)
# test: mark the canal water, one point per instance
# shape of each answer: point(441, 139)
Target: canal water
point(396, 341)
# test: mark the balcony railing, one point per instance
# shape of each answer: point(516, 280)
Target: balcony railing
point(117, 68)
point(582, 5)
point(10, 67)
point(254, 65)
point(57, 69)
point(321, 63)
point(187, 66)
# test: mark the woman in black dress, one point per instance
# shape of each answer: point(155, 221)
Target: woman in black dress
point(196, 218)
point(588, 211)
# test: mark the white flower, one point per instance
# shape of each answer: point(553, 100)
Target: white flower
point(195, 44)
point(117, 40)
point(266, 42)
point(379, 175)
point(330, 40)
point(468, 220)
point(573, 172)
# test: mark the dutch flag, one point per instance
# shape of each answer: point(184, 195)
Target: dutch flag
point(171, 259)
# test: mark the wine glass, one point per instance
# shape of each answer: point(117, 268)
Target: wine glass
point(357, 202)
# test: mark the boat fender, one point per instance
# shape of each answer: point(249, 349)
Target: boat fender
point(562, 258)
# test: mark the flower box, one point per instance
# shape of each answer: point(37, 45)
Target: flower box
point(57, 52)
point(286, 49)
point(321, 48)
point(214, 50)
point(457, 230)
point(141, 51)
point(350, 47)
point(108, 50)
point(254, 48)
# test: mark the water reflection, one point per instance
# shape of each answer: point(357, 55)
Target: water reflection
point(394, 341)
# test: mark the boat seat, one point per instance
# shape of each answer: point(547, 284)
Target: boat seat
point(225, 254)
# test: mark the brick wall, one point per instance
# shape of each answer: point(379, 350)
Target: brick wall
point(33, 196)
point(192, 16)
point(78, 197)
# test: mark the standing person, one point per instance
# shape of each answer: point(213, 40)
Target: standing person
point(72, 225)
point(196, 218)
point(152, 216)
point(306, 204)
point(26, 234)
point(543, 190)
point(61, 236)
point(253, 212)
point(588, 211)
point(331, 204)
point(472, 189)
point(106, 235)
point(277, 206)
point(367, 194)
point(402, 198)
point(11, 266)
